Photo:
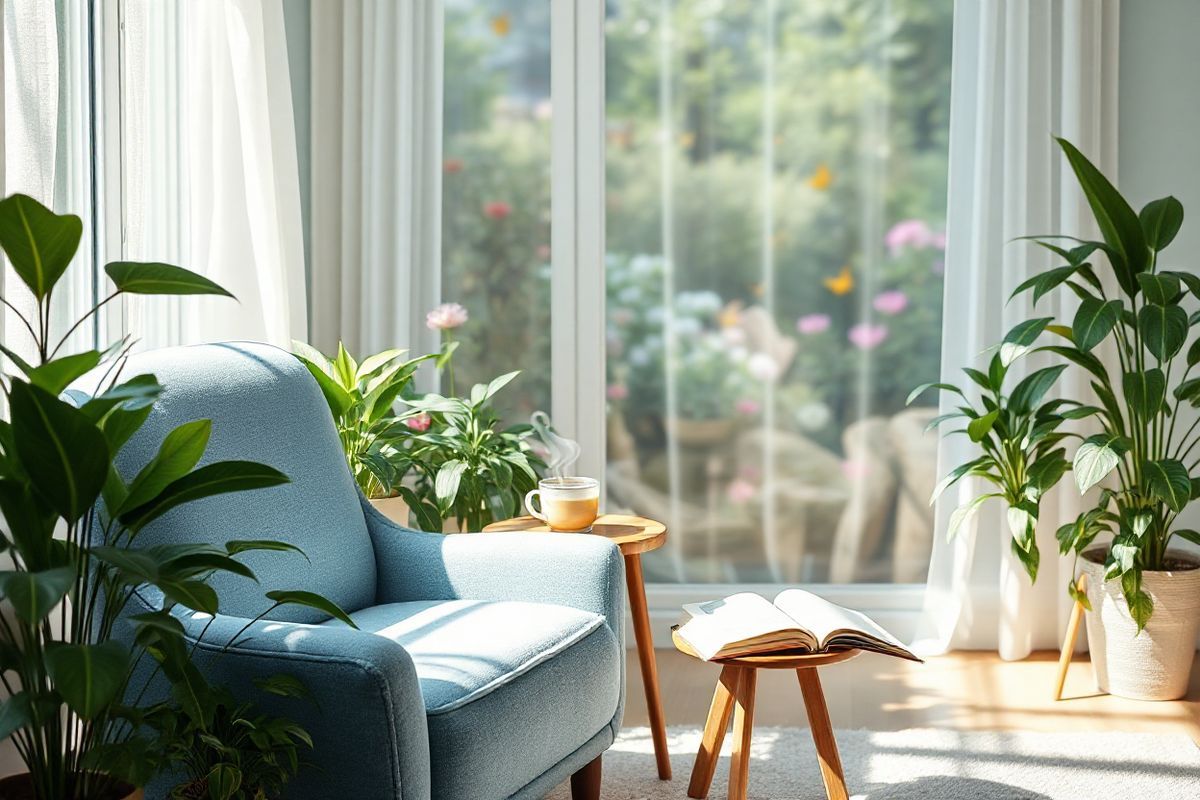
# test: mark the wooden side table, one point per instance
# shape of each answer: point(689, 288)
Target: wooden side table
point(739, 677)
point(634, 536)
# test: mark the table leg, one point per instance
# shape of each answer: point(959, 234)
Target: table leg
point(822, 733)
point(743, 726)
point(714, 733)
point(645, 648)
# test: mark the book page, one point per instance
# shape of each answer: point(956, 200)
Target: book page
point(737, 618)
point(826, 619)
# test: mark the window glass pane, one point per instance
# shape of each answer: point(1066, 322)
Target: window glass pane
point(776, 177)
point(496, 195)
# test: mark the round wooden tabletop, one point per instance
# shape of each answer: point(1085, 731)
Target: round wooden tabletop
point(782, 661)
point(632, 534)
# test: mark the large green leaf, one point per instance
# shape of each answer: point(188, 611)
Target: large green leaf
point(1047, 470)
point(56, 375)
point(964, 512)
point(375, 363)
point(196, 595)
point(40, 244)
point(1093, 321)
point(979, 428)
point(88, 676)
point(180, 450)
point(1045, 282)
point(29, 521)
point(1096, 457)
point(1163, 329)
point(1188, 391)
point(945, 387)
point(338, 399)
point(1119, 225)
point(14, 714)
point(33, 595)
point(1163, 288)
point(1028, 556)
point(1085, 360)
point(1145, 392)
point(295, 597)
point(1161, 219)
point(221, 477)
point(1141, 606)
point(1168, 479)
point(1019, 339)
point(446, 483)
point(1029, 392)
point(133, 277)
point(65, 455)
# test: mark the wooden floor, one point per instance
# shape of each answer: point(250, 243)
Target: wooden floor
point(965, 691)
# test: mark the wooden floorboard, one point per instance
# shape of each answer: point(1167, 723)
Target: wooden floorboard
point(965, 691)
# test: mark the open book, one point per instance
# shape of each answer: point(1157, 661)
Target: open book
point(797, 622)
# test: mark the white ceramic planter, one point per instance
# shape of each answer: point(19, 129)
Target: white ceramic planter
point(1155, 664)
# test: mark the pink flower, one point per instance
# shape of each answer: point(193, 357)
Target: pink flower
point(740, 491)
point(748, 406)
point(812, 323)
point(445, 317)
point(420, 423)
point(891, 302)
point(763, 367)
point(617, 391)
point(867, 336)
point(496, 209)
point(938, 240)
point(912, 233)
point(452, 165)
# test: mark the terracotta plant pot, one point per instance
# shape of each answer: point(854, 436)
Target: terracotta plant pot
point(1154, 664)
point(394, 508)
point(18, 787)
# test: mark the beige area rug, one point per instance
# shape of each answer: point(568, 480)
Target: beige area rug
point(923, 765)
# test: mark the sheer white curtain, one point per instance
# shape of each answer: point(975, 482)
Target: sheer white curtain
point(1023, 71)
point(376, 181)
point(209, 169)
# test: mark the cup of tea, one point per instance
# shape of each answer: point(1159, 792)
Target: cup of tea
point(566, 504)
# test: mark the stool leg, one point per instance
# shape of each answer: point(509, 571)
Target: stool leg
point(743, 725)
point(822, 733)
point(714, 733)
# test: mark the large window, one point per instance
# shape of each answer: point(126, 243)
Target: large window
point(776, 182)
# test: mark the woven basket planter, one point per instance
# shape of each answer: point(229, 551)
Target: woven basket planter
point(1155, 664)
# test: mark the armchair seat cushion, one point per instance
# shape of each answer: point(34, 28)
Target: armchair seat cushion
point(503, 683)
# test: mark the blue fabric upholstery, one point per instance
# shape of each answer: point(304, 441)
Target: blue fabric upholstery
point(486, 665)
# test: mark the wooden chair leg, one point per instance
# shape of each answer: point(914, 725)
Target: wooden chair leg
point(714, 733)
point(1068, 645)
point(822, 733)
point(743, 726)
point(585, 784)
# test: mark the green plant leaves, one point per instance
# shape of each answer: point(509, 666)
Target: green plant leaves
point(221, 477)
point(1022, 335)
point(1162, 289)
point(1045, 282)
point(1029, 392)
point(979, 428)
point(1163, 329)
point(1096, 457)
point(14, 714)
point(1160, 220)
point(445, 486)
point(1144, 392)
point(33, 595)
point(88, 676)
point(56, 375)
point(296, 597)
point(946, 387)
point(39, 243)
point(133, 277)
point(964, 512)
point(180, 450)
point(1119, 225)
point(65, 455)
point(1093, 321)
point(1168, 479)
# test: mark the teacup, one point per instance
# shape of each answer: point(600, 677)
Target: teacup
point(566, 504)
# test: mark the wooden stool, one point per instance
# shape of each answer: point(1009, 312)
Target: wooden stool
point(739, 676)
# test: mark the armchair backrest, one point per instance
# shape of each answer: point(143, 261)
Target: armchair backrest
point(265, 407)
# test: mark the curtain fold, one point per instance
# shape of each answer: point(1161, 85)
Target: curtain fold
point(1023, 72)
point(210, 171)
point(376, 183)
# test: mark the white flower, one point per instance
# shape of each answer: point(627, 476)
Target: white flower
point(763, 367)
point(812, 416)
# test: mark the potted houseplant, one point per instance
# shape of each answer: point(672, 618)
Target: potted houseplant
point(1143, 597)
point(361, 398)
point(71, 525)
point(466, 468)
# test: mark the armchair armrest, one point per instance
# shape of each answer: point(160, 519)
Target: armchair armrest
point(585, 572)
point(366, 718)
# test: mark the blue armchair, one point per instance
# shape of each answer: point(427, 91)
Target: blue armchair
point(484, 665)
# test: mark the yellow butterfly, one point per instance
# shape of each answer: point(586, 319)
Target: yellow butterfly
point(501, 24)
point(842, 283)
point(821, 179)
